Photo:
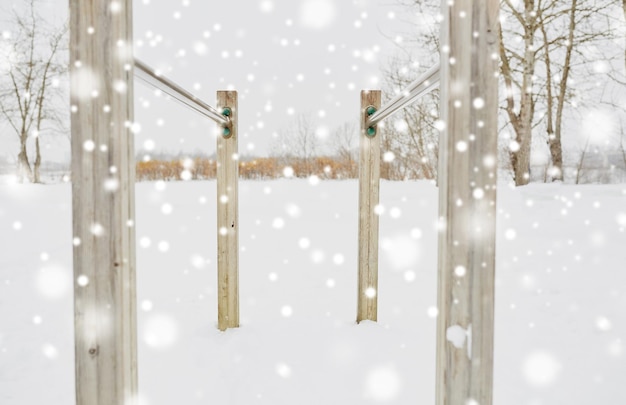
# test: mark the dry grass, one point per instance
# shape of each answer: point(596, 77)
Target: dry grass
point(259, 168)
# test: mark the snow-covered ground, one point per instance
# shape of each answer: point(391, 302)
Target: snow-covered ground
point(560, 316)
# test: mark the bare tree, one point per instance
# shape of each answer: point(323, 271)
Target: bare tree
point(518, 71)
point(622, 146)
point(298, 140)
point(578, 28)
point(624, 11)
point(26, 90)
point(555, 32)
point(549, 49)
point(413, 137)
point(409, 141)
point(581, 160)
point(422, 43)
point(345, 143)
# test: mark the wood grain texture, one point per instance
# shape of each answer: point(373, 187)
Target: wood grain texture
point(467, 202)
point(103, 181)
point(369, 186)
point(228, 217)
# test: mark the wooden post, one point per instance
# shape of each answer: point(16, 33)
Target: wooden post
point(103, 184)
point(227, 215)
point(467, 202)
point(369, 185)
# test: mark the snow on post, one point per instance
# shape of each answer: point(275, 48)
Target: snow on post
point(227, 214)
point(369, 186)
point(467, 201)
point(103, 181)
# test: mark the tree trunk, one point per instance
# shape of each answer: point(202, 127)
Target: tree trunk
point(522, 121)
point(556, 153)
point(621, 142)
point(37, 165)
point(521, 162)
point(554, 139)
point(555, 147)
point(624, 9)
point(24, 171)
point(520, 159)
point(579, 169)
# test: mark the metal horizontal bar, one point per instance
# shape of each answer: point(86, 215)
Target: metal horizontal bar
point(144, 73)
point(424, 84)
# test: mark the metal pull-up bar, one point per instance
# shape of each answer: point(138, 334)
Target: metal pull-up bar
point(144, 73)
point(418, 88)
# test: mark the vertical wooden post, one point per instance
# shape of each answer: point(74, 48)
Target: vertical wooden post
point(103, 184)
point(227, 215)
point(467, 202)
point(369, 185)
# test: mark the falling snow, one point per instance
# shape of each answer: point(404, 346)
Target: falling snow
point(541, 368)
point(560, 334)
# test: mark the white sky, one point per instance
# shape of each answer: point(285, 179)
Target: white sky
point(284, 57)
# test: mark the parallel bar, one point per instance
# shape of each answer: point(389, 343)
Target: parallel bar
point(147, 75)
point(103, 217)
point(423, 85)
point(369, 186)
point(467, 202)
point(228, 216)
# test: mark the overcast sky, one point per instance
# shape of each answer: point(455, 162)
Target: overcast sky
point(284, 57)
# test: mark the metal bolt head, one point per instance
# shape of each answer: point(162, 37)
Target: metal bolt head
point(226, 112)
point(370, 110)
point(371, 132)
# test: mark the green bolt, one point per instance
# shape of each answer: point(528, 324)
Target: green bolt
point(226, 132)
point(371, 132)
point(226, 112)
point(370, 110)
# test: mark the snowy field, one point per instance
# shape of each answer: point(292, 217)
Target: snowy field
point(560, 310)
